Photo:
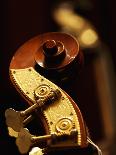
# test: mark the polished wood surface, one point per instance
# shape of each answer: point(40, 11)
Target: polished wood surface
point(32, 52)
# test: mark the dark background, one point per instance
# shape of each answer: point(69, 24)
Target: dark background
point(22, 20)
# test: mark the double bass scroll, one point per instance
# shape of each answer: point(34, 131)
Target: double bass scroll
point(35, 70)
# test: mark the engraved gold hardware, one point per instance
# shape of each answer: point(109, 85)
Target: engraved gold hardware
point(16, 119)
point(42, 91)
point(51, 97)
point(25, 140)
point(61, 117)
point(29, 110)
point(27, 120)
point(65, 125)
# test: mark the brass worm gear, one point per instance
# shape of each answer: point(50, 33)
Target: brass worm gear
point(65, 125)
point(42, 91)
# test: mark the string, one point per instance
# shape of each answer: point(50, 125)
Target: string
point(93, 144)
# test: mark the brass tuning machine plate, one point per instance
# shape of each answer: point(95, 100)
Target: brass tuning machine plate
point(61, 117)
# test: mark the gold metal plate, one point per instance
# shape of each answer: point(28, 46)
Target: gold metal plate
point(60, 116)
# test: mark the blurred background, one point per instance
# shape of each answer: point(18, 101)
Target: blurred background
point(93, 24)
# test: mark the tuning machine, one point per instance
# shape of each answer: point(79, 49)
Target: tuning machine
point(18, 119)
point(25, 140)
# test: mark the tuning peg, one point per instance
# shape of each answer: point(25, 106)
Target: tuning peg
point(25, 140)
point(14, 119)
point(12, 133)
point(17, 119)
point(50, 98)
